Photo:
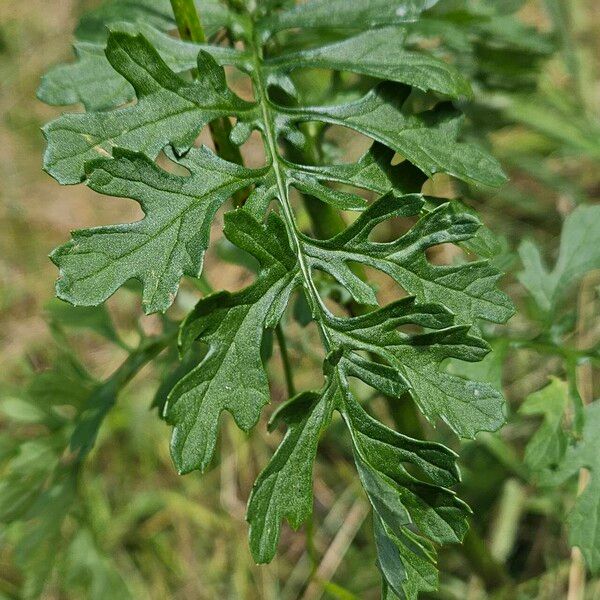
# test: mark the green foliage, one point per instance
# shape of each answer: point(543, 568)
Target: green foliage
point(401, 500)
point(158, 250)
point(147, 95)
point(547, 447)
point(38, 489)
point(579, 253)
point(170, 242)
point(584, 454)
point(467, 289)
point(284, 488)
point(565, 442)
point(232, 376)
point(169, 109)
point(381, 53)
point(71, 83)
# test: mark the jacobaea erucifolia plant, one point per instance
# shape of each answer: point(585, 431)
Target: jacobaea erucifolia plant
point(148, 94)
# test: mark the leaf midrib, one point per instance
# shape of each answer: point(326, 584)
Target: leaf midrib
point(258, 79)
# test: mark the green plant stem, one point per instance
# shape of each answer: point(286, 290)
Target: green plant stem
point(505, 455)
point(326, 221)
point(569, 354)
point(190, 28)
point(313, 553)
point(285, 359)
point(287, 214)
point(202, 285)
point(105, 395)
point(568, 16)
point(405, 415)
point(148, 349)
point(506, 523)
point(188, 21)
point(220, 130)
point(491, 572)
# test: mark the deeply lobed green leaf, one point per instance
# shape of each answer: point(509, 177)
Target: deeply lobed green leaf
point(395, 349)
point(169, 110)
point(579, 253)
point(168, 243)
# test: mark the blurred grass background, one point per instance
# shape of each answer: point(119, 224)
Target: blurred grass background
point(185, 537)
